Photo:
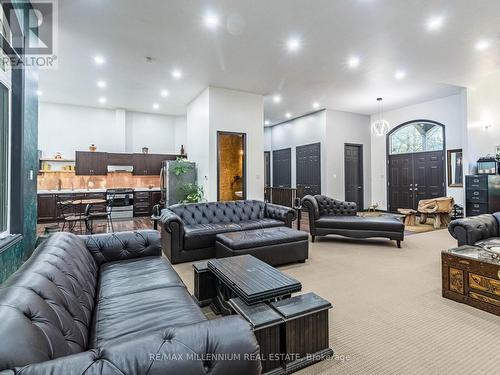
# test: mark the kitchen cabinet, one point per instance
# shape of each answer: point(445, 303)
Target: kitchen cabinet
point(91, 163)
point(144, 201)
point(47, 211)
point(149, 164)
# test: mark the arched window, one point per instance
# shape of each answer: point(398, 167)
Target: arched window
point(418, 136)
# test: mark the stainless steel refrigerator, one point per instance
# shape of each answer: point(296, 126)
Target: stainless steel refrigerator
point(171, 185)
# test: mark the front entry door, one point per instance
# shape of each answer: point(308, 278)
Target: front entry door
point(308, 167)
point(413, 177)
point(353, 162)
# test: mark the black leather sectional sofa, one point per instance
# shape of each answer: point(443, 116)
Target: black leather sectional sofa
point(110, 304)
point(189, 230)
point(476, 230)
point(331, 216)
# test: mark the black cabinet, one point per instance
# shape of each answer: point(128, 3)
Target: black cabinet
point(482, 194)
point(91, 163)
point(144, 201)
point(47, 211)
point(149, 164)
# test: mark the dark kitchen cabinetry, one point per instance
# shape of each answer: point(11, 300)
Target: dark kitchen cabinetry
point(47, 204)
point(91, 163)
point(144, 201)
point(149, 164)
point(482, 194)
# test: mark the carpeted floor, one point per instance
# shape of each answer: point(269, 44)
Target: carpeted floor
point(389, 316)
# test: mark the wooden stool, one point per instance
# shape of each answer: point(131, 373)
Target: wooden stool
point(410, 216)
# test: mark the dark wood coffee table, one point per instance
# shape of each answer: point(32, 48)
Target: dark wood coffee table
point(251, 280)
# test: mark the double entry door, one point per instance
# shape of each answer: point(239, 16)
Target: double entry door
point(415, 176)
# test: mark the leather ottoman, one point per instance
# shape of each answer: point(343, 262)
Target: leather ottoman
point(275, 246)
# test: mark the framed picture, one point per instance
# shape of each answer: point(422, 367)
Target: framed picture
point(455, 168)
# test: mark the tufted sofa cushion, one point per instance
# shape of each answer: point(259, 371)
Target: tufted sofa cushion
point(219, 212)
point(46, 307)
point(330, 206)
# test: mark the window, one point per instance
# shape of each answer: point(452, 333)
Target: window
point(4, 154)
point(416, 137)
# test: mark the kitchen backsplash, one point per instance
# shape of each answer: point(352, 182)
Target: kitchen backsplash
point(68, 180)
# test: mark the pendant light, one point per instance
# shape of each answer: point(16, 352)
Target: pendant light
point(380, 127)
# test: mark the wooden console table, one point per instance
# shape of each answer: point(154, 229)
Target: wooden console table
point(470, 275)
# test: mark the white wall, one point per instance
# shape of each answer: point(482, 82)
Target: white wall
point(483, 125)
point(68, 128)
point(449, 111)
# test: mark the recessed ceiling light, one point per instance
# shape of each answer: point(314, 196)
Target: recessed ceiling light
point(315, 105)
point(39, 92)
point(164, 93)
point(293, 44)
point(288, 115)
point(177, 74)
point(400, 74)
point(102, 100)
point(156, 106)
point(483, 45)
point(211, 21)
point(99, 60)
point(267, 122)
point(435, 23)
point(277, 99)
point(102, 84)
point(353, 62)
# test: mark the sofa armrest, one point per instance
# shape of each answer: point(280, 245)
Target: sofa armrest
point(111, 247)
point(283, 213)
point(310, 203)
point(170, 220)
point(217, 347)
point(470, 230)
point(172, 235)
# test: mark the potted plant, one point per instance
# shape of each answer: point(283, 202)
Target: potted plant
point(193, 193)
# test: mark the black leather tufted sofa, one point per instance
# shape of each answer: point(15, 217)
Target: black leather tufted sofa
point(110, 304)
point(476, 230)
point(331, 216)
point(189, 230)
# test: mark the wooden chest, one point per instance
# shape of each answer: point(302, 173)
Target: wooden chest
point(472, 276)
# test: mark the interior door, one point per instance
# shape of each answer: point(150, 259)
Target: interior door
point(308, 167)
point(353, 171)
point(282, 168)
point(400, 183)
point(267, 168)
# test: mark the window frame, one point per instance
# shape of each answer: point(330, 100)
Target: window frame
point(6, 80)
point(407, 124)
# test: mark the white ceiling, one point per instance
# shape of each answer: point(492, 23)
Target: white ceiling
point(248, 52)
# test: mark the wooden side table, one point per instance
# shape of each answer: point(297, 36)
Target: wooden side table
point(304, 335)
point(265, 322)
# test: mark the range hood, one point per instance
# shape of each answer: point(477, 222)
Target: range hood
point(120, 168)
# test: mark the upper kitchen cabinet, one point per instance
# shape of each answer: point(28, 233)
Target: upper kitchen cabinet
point(91, 163)
point(149, 164)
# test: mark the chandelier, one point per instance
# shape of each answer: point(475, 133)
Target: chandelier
point(380, 127)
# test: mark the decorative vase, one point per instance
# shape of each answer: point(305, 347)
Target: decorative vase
point(183, 152)
point(145, 150)
point(58, 156)
point(92, 148)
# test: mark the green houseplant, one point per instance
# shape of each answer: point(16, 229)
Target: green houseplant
point(181, 166)
point(193, 193)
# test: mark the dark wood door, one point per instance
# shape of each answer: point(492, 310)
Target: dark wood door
point(282, 168)
point(353, 171)
point(267, 168)
point(400, 181)
point(308, 168)
point(413, 177)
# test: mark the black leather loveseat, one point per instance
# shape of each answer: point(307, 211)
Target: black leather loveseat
point(189, 230)
point(110, 304)
point(476, 230)
point(331, 216)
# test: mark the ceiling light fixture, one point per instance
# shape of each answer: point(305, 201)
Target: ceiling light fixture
point(267, 122)
point(315, 105)
point(435, 23)
point(482, 45)
point(400, 74)
point(99, 60)
point(164, 93)
point(102, 100)
point(211, 21)
point(102, 84)
point(156, 106)
point(177, 74)
point(277, 99)
point(353, 62)
point(288, 115)
point(39, 92)
point(380, 127)
point(293, 44)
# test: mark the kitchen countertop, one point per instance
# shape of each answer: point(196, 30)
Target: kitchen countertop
point(69, 191)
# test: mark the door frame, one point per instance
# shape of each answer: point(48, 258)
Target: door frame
point(244, 185)
point(360, 145)
point(320, 170)
point(265, 170)
point(387, 147)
